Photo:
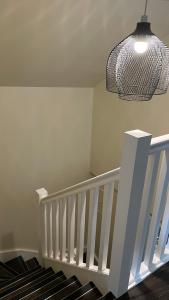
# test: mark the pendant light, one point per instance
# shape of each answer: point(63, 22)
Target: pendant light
point(138, 67)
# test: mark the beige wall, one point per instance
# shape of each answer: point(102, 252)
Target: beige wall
point(112, 117)
point(45, 139)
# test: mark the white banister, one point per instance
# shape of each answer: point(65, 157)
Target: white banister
point(85, 185)
point(137, 212)
point(132, 175)
point(94, 194)
point(159, 143)
point(80, 227)
point(105, 225)
point(158, 209)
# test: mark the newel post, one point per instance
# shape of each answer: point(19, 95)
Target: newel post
point(132, 175)
point(41, 193)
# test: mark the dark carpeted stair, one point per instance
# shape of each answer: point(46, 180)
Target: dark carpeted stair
point(32, 263)
point(27, 280)
point(40, 289)
point(109, 296)
point(6, 272)
point(21, 282)
point(19, 277)
point(18, 264)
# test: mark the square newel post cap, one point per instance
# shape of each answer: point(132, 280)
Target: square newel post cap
point(138, 133)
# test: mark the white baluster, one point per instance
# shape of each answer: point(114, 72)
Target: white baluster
point(43, 230)
point(62, 218)
point(71, 227)
point(93, 205)
point(80, 226)
point(144, 218)
point(46, 222)
point(164, 233)
point(48, 229)
point(158, 209)
point(55, 228)
point(132, 175)
point(57, 231)
point(105, 225)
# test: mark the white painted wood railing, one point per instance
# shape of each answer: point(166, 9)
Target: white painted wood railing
point(69, 221)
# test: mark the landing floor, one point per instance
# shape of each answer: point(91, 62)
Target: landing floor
point(154, 287)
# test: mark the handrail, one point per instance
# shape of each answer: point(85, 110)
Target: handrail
point(159, 143)
point(98, 180)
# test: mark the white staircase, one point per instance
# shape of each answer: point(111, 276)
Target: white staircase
point(131, 237)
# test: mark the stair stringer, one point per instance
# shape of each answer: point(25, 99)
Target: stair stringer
point(100, 279)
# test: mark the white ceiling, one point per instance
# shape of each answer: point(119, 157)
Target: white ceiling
point(66, 42)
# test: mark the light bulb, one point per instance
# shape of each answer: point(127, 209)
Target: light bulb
point(140, 46)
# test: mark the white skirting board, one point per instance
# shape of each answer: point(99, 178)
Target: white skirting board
point(11, 253)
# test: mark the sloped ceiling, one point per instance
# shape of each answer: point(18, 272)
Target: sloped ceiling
point(66, 42)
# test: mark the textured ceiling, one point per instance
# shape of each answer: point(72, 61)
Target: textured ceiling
point(66, 42)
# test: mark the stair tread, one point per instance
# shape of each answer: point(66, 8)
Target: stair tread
point(109, 296)
point(66, 291)
point(92, 294)
point(3, 282)
point(57, 288)
point(8, 268)
point(24, 287)
point(81, 291)
point(32, 263)
point(18, 277)
point(23, 282)
point(6, 272)
point(18, 264)
point(41, 287)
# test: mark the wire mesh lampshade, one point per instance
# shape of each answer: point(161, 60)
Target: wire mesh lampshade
point(138, 67)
